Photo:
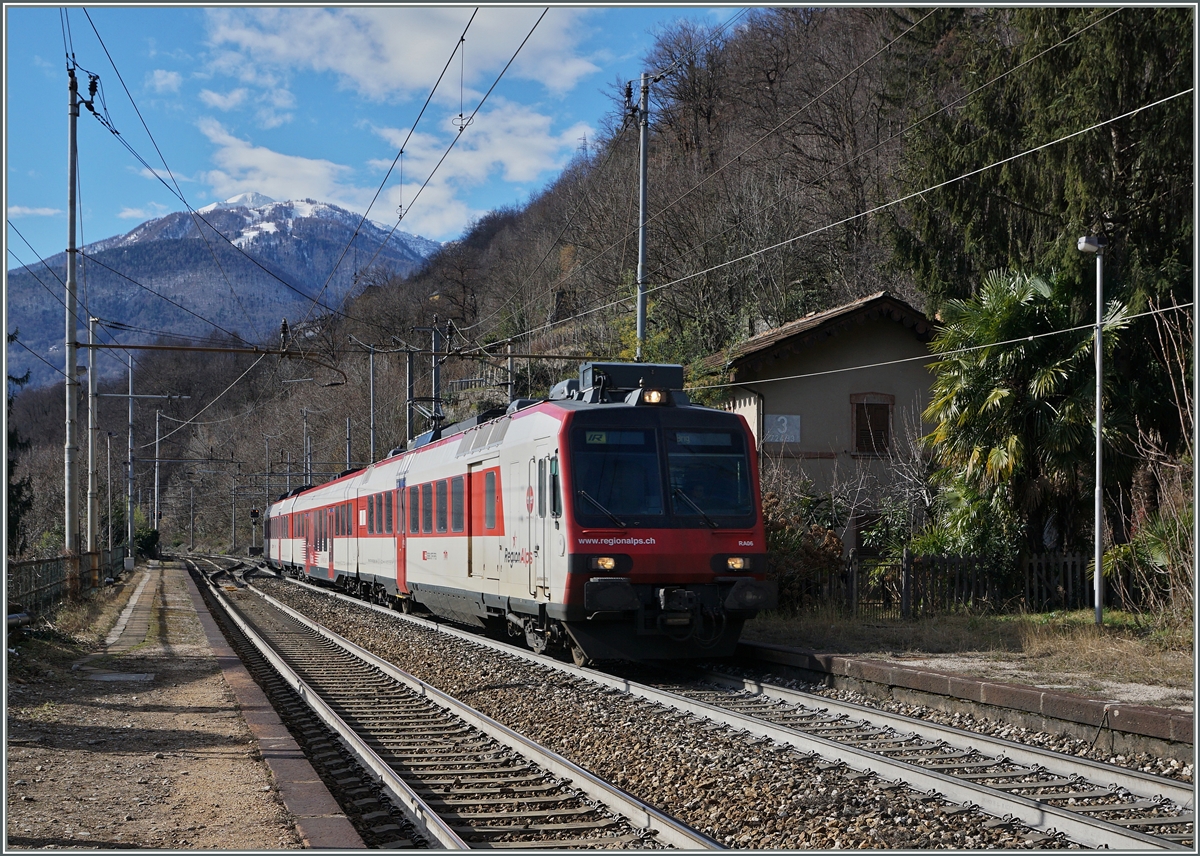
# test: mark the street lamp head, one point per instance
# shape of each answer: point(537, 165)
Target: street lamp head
point(1092, 244)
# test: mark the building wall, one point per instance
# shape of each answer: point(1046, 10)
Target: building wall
point(808, 423)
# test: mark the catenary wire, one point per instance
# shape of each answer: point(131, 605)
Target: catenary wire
point(395, 160)
point(464, 126)
point(211, 403)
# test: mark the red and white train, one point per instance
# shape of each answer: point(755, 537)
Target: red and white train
point(614, 519)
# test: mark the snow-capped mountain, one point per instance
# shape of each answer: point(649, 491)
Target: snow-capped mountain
point(241, 265)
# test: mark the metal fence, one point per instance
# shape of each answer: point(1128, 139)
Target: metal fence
point(40, 584)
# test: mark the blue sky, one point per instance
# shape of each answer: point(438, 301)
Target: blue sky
point(307, 102)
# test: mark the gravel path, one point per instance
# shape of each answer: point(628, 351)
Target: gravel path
point(743, 792)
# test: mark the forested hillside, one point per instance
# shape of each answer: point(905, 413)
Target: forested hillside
point(798, 161)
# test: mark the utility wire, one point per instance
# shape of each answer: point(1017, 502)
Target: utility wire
point(814, 182)
point(39, 356)
point(868, 212)
point(161, 157)
point(211, 403)
point(749, 147)
point(945, 355)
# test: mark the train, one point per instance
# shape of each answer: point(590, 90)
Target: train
point(612, 520)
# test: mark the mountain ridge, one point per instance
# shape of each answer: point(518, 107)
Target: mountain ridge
point(226, 264)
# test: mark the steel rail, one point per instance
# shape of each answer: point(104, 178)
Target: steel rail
point(1088, 831)
point(1136, 782)
point(426, 820)
point(667, 829)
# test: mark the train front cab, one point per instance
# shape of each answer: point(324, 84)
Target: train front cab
point(666, 543)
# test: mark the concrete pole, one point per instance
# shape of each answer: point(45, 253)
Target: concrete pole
point(408, 410)
point(643, 145)
point(437, 376)
point(288, 477)
point(233, 519)
point(348, 444)
point(110, 491)
point(93, 506)
point(1098, 552)
point(129, 497)
point(372, 362)
point(191, 518)
point(304, 447)
point(512, 375)
point(157, 429)
point(267, 477)
point(71, 444)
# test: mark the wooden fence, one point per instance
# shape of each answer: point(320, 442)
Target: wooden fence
point(933, 585)
point(40, 584)
point(1058, 581)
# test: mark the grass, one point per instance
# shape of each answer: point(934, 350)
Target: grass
point(1126, 648)
point(61, 637)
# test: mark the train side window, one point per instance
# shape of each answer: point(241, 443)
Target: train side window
point(337, 520)
point(555, 491)
point(400, 510)
point(414, 510)
point(456, 504)
point(349, 518)
point(427, 507)
point(489, 500)
point(441, 506)
point(387, 512)
point(541, 488)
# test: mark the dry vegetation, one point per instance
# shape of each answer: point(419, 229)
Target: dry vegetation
point(1049, 647)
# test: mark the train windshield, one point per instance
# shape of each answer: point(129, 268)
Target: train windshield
point(709, 473)
point(617, 477)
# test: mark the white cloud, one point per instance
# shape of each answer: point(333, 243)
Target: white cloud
point(164, 81)
point(148, 212)
point(511, 142)
point(22, 211)
point(228, 101)
point(242, 166)
point(396, 51)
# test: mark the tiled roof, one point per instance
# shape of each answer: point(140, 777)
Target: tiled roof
point(821, 325)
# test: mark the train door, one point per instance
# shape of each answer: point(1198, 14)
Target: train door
point(481, 517)
point(310, 553)
point(401, 536)
point(330, 540)
point(543, 525)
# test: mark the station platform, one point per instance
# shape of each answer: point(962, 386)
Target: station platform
point(164, 607)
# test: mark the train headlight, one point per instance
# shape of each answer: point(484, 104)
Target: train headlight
point(603, 563)
point(736, 563)
point(654, 396)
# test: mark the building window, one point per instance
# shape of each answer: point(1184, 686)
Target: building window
point(872, 422)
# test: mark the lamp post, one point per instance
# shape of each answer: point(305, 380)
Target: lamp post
point(1096, 244)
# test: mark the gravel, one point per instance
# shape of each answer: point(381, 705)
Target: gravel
point(742, 791)
point(1143, 761)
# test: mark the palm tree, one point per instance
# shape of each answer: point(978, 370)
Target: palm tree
point(1013, 400)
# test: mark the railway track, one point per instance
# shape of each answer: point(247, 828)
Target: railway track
point(1092, 804)
point(464, 780)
